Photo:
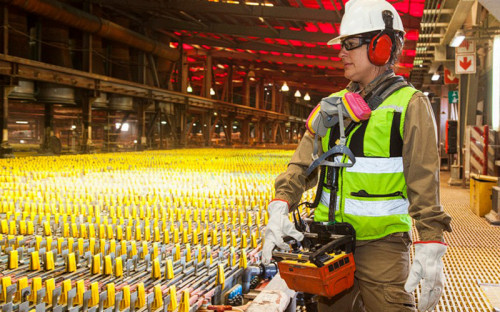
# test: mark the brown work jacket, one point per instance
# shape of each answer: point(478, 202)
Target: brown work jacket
point(420, 166)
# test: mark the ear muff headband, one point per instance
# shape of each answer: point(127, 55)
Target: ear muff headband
point(382, 46)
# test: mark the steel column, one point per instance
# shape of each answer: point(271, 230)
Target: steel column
point(207, 80)
point(87, 123)
point(5, 148)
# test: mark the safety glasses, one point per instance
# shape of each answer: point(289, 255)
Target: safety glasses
point(352, 43)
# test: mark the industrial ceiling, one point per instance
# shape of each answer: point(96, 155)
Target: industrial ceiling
point(276, 40)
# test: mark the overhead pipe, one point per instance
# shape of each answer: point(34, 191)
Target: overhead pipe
point(86, 22)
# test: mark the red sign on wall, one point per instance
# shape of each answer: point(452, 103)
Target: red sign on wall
point(465, 63)
point(449, 77)
point(466, 47)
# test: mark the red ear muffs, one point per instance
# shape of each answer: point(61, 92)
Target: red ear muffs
point(379, 51)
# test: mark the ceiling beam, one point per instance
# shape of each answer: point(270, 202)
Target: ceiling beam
point(433, 35)
point(259, 46)
point(429, 25)
point(208, 7)
point(462, 10)
point(239, 30)
point(268, 58)
point(439, 11)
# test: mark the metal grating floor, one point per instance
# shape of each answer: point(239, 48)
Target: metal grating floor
point(473, 254)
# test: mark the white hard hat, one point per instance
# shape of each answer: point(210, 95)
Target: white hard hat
point(362, 16)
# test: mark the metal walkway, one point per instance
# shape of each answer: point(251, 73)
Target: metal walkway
point(473, 254)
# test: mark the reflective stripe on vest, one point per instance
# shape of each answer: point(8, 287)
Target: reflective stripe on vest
point(372, 193)
point(377, 165)
point(377, 208)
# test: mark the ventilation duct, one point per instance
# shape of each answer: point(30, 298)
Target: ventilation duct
point(101, 101)
point(98, 66)
point(120, 68)
point(24, 91)
point(55, 50)
point(120, 102)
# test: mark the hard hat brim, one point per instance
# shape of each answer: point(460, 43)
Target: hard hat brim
point(335, 40)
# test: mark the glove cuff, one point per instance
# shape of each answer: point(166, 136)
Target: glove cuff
point(280, 205)
point(282, 200)
point(429, 242)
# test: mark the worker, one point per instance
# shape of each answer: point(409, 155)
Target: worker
point(395, 177)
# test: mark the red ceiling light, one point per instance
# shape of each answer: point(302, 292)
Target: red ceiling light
point(296, 43)
point(417, 8)
point(311, 27)
point(407, 65)
point(309, 4)
point(409, 52)
point(293, 3)
point(412, 34)
point(328, 5)
point(281, 41)
point(327, 28)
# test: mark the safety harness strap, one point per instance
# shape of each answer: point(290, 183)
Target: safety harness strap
point(384, 90)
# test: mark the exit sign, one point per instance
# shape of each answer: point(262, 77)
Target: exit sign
point(453, 97)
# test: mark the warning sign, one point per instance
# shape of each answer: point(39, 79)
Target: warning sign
point(449, 77)
point(466, 47)
point(465, 63)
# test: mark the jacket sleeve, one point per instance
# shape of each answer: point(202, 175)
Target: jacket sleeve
point(291, 184)
point(421, 170)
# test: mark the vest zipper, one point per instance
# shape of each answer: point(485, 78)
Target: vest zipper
point(342, 172)
point(363, 193)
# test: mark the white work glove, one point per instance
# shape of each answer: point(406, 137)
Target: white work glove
point(428, 267)
point(277, 227)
